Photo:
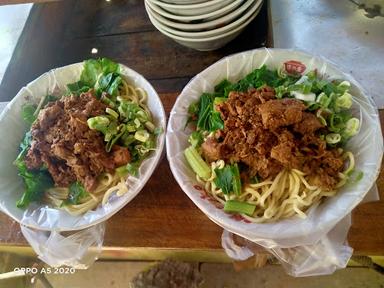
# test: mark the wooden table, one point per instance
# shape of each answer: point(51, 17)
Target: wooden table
point(161, 221)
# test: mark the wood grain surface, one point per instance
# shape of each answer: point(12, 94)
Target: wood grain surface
point(161, 216)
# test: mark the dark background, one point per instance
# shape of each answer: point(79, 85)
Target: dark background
point(64, 32)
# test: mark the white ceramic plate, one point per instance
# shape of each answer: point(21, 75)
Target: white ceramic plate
point(367, 147)
point(12, 129)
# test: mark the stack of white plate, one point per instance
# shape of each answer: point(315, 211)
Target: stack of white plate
point(199, 24)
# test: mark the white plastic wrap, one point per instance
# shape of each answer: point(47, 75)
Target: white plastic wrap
point(308, 259)
point(42, 217)
point(322, 219)
point(78, 250)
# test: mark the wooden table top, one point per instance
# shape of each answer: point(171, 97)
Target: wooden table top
point(161, 216)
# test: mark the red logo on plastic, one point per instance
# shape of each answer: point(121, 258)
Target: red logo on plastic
point(294, 67)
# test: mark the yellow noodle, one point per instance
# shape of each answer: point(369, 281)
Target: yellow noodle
point(289, 194)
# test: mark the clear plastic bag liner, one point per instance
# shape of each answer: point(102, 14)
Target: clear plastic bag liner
point(78, 250)
point(233, 250)
point(331, 252)
point(367, 147)
point(56, 249)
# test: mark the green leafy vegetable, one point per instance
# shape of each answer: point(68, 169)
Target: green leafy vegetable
point(359, 175)
point(262, 76)
point(223, 179)
point(127, 138)
point(50, 98)
point(218, 100)
point(111, 131)
point(193, 111)
point(197, 163)
point(216, 123)
point(236, 181)
point(157, 131)
point(196, 138)
point(115, 137)
point(76, 194)
point(239, 207)
point(109, 83)
point(223, 88)
point(24, 146)
point(78, 87)
point(36, 181)
point(208, 118)
point(27, 112)
point(205, 111)
point(91, 70)
point(228, 179)
point(101, 74)
point(133, 168)
point(122, 171)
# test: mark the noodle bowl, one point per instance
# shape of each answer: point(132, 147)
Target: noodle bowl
point(321, 217)
point(42, 216)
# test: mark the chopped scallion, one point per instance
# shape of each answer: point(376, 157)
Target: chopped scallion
point(333, 138)
point(351, 127)
point(142, 135)
point(112, 112)
point(239, 207)
point(344, 101)
point(197, 163)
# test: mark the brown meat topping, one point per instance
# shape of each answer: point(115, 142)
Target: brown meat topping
point(309, 124)
point(64, 143)
point(268, 134)
point(279, 113)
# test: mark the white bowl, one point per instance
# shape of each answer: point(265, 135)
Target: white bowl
point(193, 9)
point(183, 2)
point(209, 25)
point(12, 129)
point(368, 145)
point(201, 17)
point(209, 43)
point(209, 33)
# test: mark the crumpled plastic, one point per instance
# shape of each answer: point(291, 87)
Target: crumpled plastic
point(38, 218)
point(78, 250)
point(307, 260)
point(315, 245)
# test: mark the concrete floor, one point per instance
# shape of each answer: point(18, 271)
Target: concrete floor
point(117, 274)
